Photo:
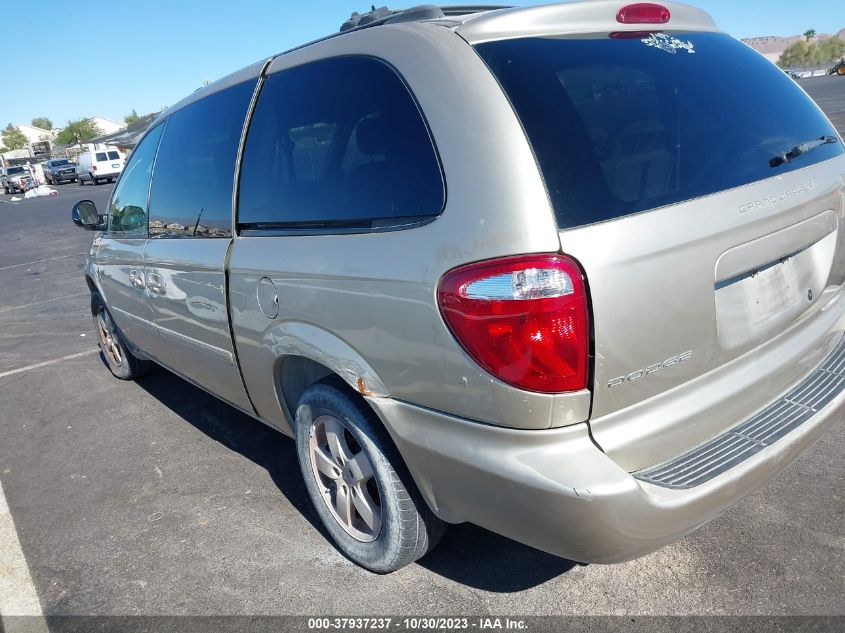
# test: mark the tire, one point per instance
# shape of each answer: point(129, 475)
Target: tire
point(122, 363)
point(94, 180)
point(401, 528)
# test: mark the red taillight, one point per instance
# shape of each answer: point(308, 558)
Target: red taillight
point(523, 319)
point(643, 13)
point(93, 168)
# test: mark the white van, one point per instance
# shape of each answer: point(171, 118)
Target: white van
point(99, 162)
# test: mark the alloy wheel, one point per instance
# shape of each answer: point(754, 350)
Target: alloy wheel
point(345, 478)
point(108, 338)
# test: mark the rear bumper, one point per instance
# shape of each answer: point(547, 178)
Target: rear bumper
point(557, 491)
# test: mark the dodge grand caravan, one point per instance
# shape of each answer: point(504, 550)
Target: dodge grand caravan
point(572, 272)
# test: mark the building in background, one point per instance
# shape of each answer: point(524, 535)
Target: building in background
point(107, 126)
point(39, 144)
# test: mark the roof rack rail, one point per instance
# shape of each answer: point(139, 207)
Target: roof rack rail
point(383, 15)
point(467, 9)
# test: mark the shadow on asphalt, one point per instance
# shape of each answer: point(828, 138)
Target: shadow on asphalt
point(481, 559)
point(237, 431)
point(468, 554)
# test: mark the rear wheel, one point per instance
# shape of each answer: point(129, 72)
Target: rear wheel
point(358, 483)
point(94, 180)
point(122, 363)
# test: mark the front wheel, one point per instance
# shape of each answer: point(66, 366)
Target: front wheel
point(122, 363)
point(358, 483)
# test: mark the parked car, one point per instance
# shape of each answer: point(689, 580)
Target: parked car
point(495, 267)
point(99, 162)
point(59, 170)
point(17, 179)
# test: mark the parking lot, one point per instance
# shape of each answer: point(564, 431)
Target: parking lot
point(154, 498)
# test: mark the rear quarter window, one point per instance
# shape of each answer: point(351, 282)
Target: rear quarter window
point(338, 144)
point(101, 156)
point(621, 125)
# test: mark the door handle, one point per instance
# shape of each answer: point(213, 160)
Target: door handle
point(155, 283)
point(136, 278)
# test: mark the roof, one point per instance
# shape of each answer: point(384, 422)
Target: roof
point(480, 23)
point(477, 23)
point(571, 18)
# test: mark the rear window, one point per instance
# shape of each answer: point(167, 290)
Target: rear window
point(114, 156)
point(625, 124)
point(15, 170)
point(101, 156)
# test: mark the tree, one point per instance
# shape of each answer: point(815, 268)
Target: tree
point(131, 118)
point(831, 49)
point(43, 122)
point(810, 34)
point(13, 138)
point(796, 54)
point(812, 53)
point(79, 131)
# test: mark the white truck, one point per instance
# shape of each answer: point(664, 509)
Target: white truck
point(99, 162)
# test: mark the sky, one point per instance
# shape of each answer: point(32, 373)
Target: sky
point(148, 55)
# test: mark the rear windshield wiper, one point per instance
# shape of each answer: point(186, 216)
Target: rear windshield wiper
point(801, 148)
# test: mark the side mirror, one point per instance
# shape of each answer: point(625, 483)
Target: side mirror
point(84, 214)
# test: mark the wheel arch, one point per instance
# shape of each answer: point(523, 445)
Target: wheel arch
point(91, 279)
point(304, 354)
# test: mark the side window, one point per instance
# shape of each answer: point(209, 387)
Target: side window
point(128, 206)
point(191, 194)
point(338, 143)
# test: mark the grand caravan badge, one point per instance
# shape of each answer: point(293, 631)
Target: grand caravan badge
point(668, 43)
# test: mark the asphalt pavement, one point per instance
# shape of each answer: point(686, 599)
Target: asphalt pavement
point(154, 498)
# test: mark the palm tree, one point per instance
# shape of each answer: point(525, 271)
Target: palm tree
point(810, 34)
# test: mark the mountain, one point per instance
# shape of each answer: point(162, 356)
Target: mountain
point(772, 46)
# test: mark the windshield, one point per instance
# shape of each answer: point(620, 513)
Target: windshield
point(622, 123)
point(59, 163)
point(15, 170)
